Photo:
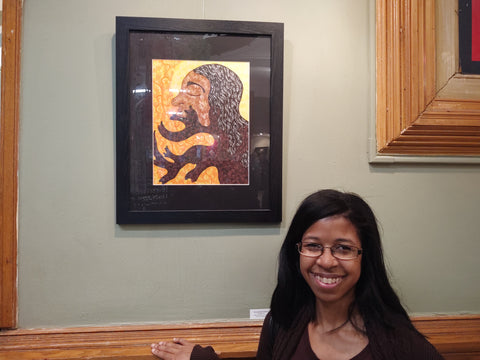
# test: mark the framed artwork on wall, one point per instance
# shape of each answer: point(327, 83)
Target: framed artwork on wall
point(469, 36)
point(198, 121)
point(414, 121)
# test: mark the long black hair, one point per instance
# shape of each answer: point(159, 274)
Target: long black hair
point(375, 300)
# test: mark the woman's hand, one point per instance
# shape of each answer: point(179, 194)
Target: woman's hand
point(178, 349)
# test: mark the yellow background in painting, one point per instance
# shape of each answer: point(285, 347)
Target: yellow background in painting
point(167, 77)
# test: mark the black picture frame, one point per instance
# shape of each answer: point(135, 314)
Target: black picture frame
point(139, 200)
point(467, 65)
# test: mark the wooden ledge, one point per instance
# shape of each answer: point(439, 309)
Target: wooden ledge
point(229, 339)
point(456, 337)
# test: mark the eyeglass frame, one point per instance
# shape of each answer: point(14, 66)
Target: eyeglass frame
point(332, 252)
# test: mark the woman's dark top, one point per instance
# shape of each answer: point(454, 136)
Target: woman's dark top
point(304, 350)
point(294, 344)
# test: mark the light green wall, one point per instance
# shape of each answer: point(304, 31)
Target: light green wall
point(76, 267)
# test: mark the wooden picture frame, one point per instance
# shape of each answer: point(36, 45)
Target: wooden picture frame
point(244, 184)
point(413, 122)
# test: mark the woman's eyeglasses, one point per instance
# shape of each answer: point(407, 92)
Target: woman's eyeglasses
point(339, 251)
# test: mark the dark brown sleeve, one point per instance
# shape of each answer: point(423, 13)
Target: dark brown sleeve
point(264, 351)
point(203, 353)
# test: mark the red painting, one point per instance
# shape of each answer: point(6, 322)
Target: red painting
point(475, 30)
point(469, 36)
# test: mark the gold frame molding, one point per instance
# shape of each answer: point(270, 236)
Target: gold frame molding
point(411, 120)
point(11, 38)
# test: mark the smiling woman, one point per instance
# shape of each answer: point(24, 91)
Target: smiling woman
point(335, 304)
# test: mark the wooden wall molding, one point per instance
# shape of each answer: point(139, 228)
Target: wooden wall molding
point(411, 119)
point(230, 339)
point(456, 337)
point(11, 38)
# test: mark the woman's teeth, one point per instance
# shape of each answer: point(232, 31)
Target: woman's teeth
point(328, 280)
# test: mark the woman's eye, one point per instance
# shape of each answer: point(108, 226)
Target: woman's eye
point(343, 248)
point(312, 246)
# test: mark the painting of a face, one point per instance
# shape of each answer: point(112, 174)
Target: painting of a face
point(193, 97)
point(199, 133)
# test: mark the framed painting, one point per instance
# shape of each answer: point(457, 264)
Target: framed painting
point(469, 36)
point(415, 122)
point(198, 121)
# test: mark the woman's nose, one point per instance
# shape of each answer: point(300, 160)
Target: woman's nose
point(327, 260)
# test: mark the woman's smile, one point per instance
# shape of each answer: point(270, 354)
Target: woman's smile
point(329, 281)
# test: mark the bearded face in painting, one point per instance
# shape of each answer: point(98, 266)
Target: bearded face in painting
point(208, 102)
